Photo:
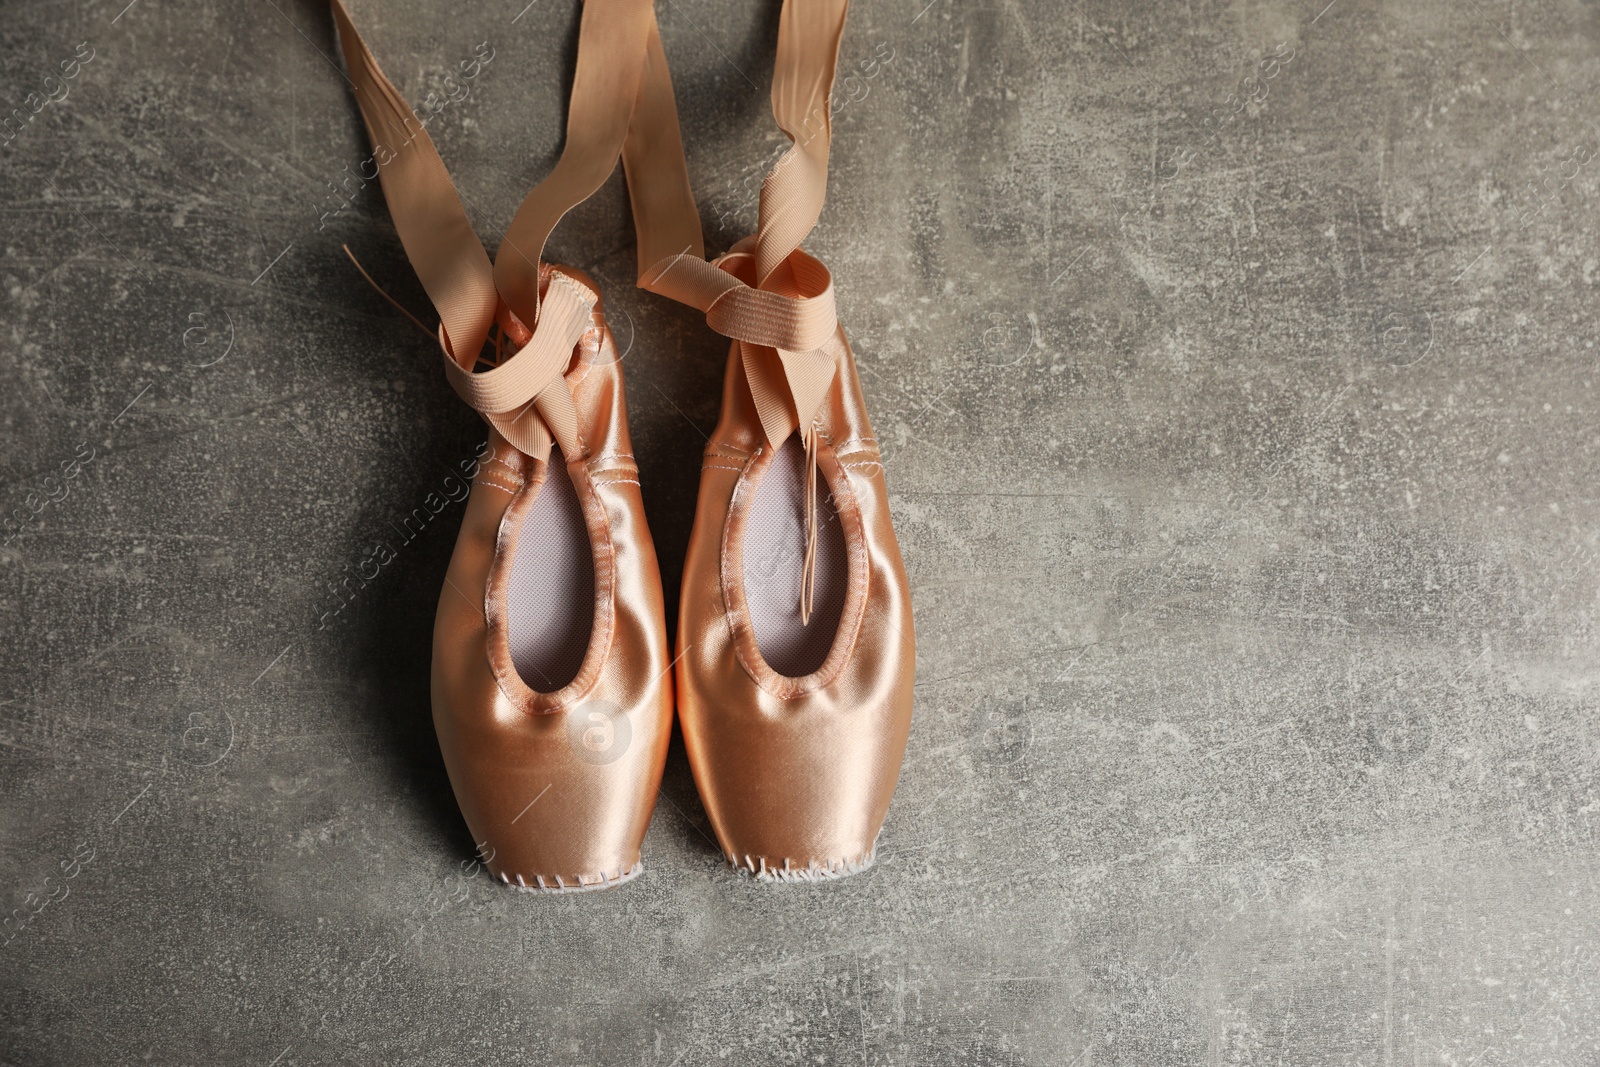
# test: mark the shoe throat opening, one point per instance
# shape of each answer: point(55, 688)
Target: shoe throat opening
point(774, 558)
point(550, 596)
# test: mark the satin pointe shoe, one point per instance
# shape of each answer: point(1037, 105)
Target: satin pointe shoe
point(551, 686)
point(795, 720)
point(550, 690)
point(795, 647)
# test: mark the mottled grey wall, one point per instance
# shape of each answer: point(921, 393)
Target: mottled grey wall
point(1243, 444)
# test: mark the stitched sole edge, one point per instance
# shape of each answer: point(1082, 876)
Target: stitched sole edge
point(542, 886)
point(815, 871)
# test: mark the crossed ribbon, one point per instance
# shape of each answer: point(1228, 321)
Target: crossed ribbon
point(771, 298)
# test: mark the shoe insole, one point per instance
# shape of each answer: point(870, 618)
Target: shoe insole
point(774, 554)
point(550, 602)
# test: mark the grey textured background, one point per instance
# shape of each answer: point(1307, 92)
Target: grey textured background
point(1246, 481)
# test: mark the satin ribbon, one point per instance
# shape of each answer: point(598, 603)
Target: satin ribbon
point(525, 397)
point(621, 107)
point(775, 301)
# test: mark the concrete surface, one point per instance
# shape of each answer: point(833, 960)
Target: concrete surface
point(1247, 483)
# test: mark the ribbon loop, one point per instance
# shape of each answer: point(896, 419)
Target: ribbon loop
point(621, 106)
point(795, 323)
point(767, 295)
point(525, 397)
point(796, 313)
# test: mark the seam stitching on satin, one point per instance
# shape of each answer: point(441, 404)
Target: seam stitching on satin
point(510, 485)
point(599, 468)
point(737, 452)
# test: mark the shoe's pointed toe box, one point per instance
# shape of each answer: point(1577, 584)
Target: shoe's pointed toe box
point(554, 800)
point(797, 786)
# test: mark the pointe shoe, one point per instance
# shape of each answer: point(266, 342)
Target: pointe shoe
point(795, 730)
point(796, 653)
point(550, 688)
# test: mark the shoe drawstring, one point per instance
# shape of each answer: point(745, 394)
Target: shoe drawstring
point(384, 293)
point(808, 567)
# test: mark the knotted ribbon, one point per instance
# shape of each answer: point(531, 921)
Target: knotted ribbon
point(620, 77)
point(775, 301)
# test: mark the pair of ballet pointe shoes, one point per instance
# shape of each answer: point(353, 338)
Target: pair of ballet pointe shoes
point(794, 730)
point(553, 692)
